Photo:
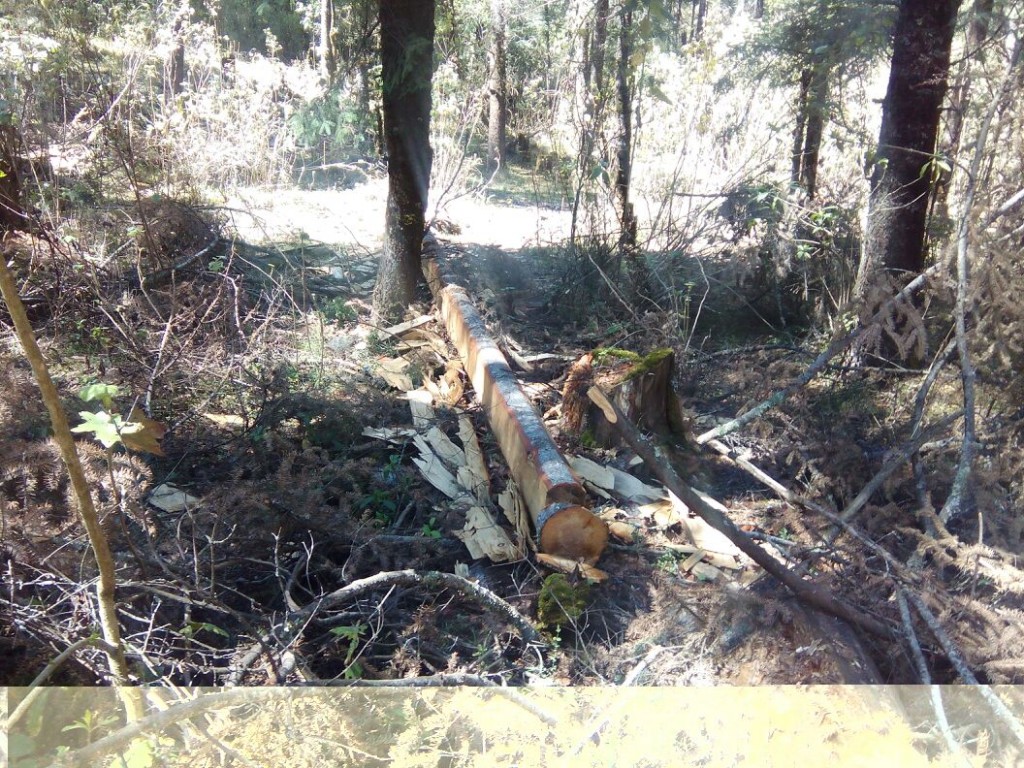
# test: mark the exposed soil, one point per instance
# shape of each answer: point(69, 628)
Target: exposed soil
point(295, 502)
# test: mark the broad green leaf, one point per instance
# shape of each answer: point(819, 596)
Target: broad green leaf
point(104, 427)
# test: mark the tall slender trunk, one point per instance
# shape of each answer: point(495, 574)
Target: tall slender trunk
point(900, 186)
point(497, 88)
point(639, 278)
point(325, 49)
point(960, 91)
point(407, 57)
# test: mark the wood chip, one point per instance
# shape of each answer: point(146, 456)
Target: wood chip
point(401, 328)
point(391, 434)
point(592, 472)
point(420, 403)
point(449, 452)
point(567, 566)
point(169, 498)
point(483, 537)
point(476, 465)
point(514, 506)
point(434, 472)
point(629, 487)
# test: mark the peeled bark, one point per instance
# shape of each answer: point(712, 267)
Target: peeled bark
point(407, 48)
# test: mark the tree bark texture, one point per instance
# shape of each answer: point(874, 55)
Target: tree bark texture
point(325, 48)
point(960, 92)
point(813, 108)
point(12, 211)
point(497, 90)
point(407, 48)
point(638, 273)
point(901, 183)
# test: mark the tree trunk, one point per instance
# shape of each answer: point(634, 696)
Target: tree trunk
point(407, 48)
point(817, 109)
point(812, 108)
point(497, 87)
point(900, 184)
point(702, 15)
point(325, 49)
point(960, 92)
point(639, 279)
point(12, 210)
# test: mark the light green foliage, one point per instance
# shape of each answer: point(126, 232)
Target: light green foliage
point(138, 432)
point(351, 635)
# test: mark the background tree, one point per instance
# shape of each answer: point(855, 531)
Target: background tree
point(407, 58)
point(497, 90)
point(901, 181)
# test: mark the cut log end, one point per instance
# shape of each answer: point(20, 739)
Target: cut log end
point(572, 532)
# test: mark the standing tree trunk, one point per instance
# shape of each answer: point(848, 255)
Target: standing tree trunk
point(325, 49)
point(407, 57)
point(960, 92)
point(12, 210)
point(900, 184)
point(627, 217)
point(497, 88)
point(699, 21)
point(812, 109)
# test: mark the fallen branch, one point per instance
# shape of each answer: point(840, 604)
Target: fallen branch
point(925, 677)
point(834, 349)
point(807, 591)
point(960, 665)
point(894, 462)
point(286, 632)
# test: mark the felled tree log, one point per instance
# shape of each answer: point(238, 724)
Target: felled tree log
point(554, 496)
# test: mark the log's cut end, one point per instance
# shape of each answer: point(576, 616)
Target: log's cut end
point(572, 532)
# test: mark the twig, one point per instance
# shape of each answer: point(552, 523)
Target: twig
point(957, 501)
point(107, 583)
point(634, 674)
point(295, 622)
point(444, 680)
point(835, 348)
point(960, 665)
point(894, 462)
point(35, 687)
point(926, 678)
point(808, 591)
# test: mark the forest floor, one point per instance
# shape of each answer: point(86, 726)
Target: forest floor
point(290, 500)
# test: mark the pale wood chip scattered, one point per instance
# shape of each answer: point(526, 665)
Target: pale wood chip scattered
point(169, 498)
point(483, 537)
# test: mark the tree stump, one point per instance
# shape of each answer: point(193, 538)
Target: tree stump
point(641, 386)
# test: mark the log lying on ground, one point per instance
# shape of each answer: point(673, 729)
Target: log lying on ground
point(554, 497)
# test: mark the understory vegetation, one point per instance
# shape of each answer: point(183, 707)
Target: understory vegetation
point(198, 193)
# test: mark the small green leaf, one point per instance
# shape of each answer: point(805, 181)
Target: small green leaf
point(105, 393)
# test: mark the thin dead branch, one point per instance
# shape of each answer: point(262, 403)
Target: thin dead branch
point(107, 582)
point(925, 676)
point(834, 349)
point(287, 631)
point(960, 495)
point(810, 592)
point(960, 665)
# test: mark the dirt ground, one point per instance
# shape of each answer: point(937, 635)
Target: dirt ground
point(292, 501)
